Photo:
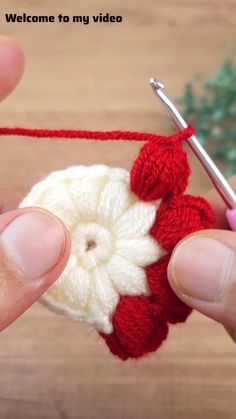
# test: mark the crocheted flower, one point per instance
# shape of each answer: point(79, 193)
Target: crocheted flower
point(123, 229)
point(109, 228)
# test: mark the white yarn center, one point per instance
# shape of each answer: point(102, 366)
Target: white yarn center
point(93, 245)
point(110, 244)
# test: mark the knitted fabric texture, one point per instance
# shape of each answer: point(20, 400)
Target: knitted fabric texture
point(123, 228)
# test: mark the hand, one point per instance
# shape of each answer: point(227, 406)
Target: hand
point(34, 245)
point(202, 269)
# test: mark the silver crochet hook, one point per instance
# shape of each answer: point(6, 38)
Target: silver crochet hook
point(218, 180)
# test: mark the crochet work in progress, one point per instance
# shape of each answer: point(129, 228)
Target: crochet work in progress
point(123, 228)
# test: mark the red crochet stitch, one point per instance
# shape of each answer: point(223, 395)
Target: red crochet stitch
point(156, 172)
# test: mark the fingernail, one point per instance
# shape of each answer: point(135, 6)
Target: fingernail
point(34, 242)
point(201, 268)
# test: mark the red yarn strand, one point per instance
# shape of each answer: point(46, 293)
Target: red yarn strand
point(94, 135)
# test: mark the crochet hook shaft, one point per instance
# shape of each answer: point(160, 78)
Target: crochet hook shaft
point(218, 180)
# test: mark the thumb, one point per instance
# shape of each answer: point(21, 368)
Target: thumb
point(34, 248)
point(202, 272)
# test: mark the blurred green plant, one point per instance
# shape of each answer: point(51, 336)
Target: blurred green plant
point(210, 106)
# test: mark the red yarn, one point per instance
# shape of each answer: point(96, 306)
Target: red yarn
point(95, 135)
point(139, 327)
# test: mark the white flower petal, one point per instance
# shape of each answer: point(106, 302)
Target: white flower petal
point(136, 222)
point(128, 278)
point(77, 289)
point(74, 172)
point(142, 251)
point(59, 203)
point(85, 197)
point(71, 292)
point(57, 288)
point(102, 300)
point(114, 200)
point(38, 191)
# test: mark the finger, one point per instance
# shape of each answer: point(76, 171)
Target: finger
point(219, 206)
point(202, 272)
point(34, 249)
point(11, 65)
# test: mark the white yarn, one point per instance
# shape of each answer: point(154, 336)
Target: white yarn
point(110, 243)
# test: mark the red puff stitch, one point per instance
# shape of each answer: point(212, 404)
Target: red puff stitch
point(173, 308)
point(160, 169)
point(179, 216)
point(139, 327)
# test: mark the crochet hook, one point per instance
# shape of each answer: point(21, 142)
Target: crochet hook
point(217, 178)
